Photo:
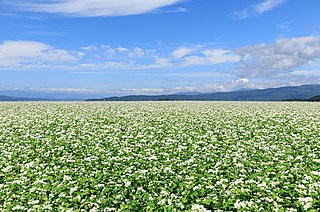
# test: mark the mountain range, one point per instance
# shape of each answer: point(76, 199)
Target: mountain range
point(270, 94)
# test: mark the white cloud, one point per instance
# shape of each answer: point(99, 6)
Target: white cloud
point(194, 60)
point(92, 8)
point(216, 56)
point(223, 86)
point(306, 72)
point(258, 9)
point(31, 55)
point(268, 5)
point(280, 57)
point(210, 57)
point(179, 9)
point(57, 90)
point(200, 75)
point(22, 54)
point(139, 91)
point(202, 55)
point(122, 49)
point(206, 88)
point(105, 57)
point(137, 52)
point(181, 52)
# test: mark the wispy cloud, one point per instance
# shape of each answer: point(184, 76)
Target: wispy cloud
point(12, 15)
point(94, 8)
point(258, 9)
point(268, 5)
point(176, 10)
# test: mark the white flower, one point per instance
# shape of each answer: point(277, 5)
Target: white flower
point(66, 177)
point(161, 202)
point(306, 202)
point(180, 205)
point(18, 207)
point(33, 202)
point(237, 204)
point(290, 157)
point(127, 183)
point(307, 205)
point(7, 169)
point(199, 208)
point(315, 173)
point(73, 190)
point(164, 193)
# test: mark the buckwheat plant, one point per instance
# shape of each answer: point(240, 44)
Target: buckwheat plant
point(159, 156)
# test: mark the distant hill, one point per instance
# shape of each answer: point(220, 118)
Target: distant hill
point(312, 99)
point(270, 94)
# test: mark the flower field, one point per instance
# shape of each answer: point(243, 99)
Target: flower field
point(159, 156)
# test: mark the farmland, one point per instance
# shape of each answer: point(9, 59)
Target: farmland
point(163, 156)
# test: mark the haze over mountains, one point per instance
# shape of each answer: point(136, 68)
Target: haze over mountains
point(19, 95)
point(270, 94)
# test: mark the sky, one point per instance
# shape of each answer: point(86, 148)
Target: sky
point(123, 47)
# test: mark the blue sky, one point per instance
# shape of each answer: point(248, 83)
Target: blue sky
point(121, 47)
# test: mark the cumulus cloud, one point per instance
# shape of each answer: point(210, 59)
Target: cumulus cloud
point(280, 57)
point(258, 9)
point(92, 8)
point(22, 54)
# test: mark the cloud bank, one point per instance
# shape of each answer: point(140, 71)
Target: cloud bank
point(294, 60)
